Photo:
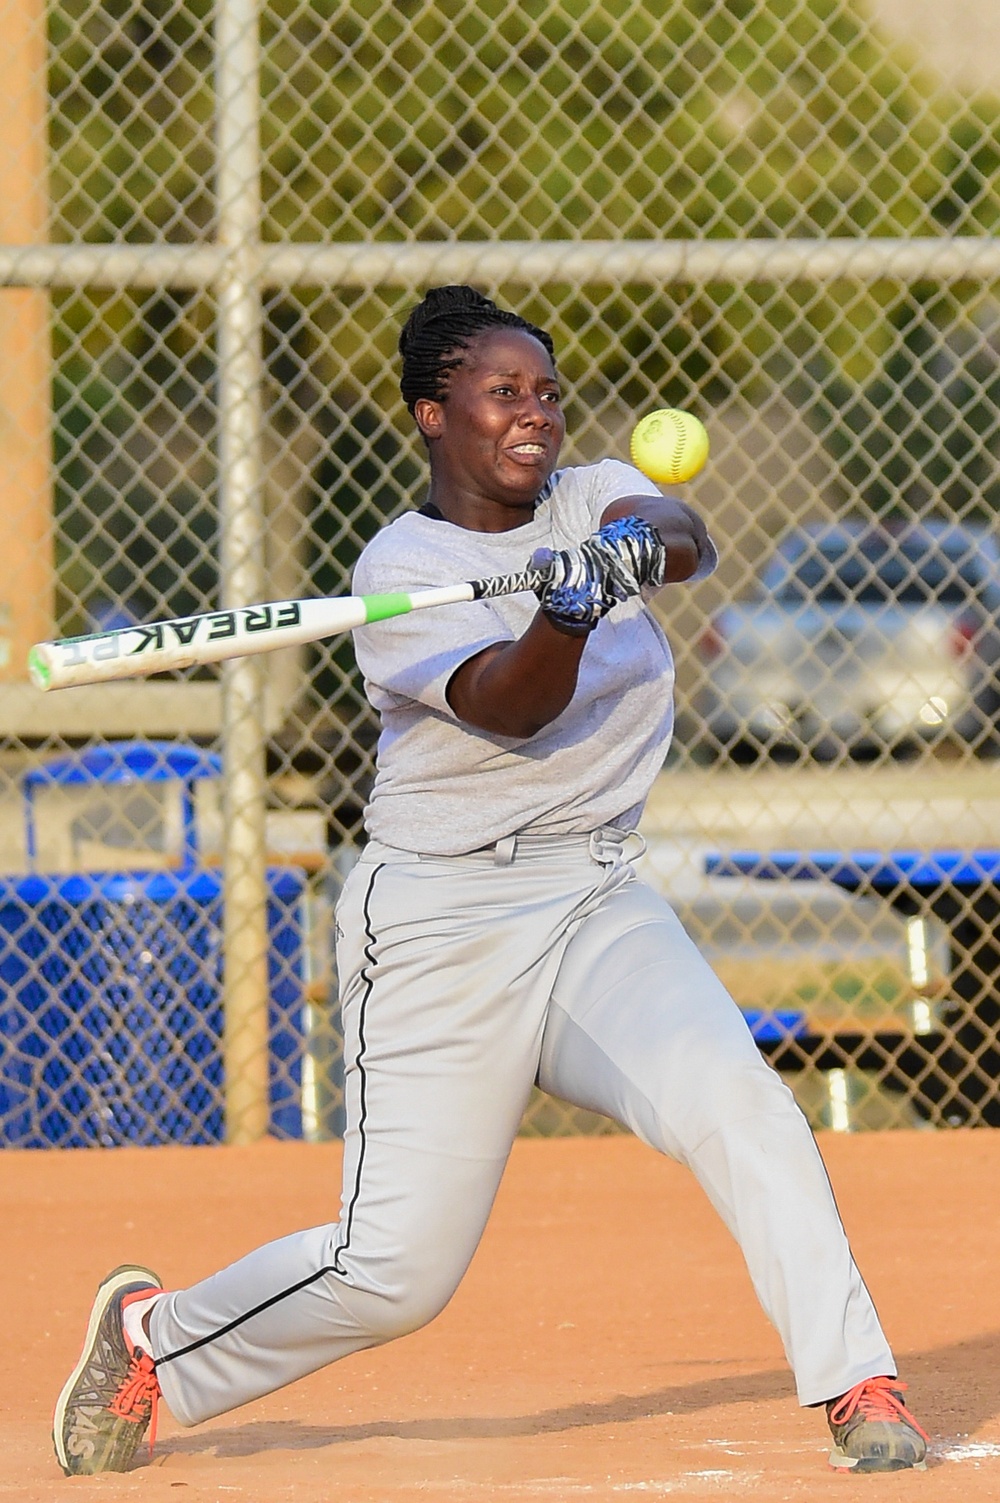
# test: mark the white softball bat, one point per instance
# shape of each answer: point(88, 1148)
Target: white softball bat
point(187, 641)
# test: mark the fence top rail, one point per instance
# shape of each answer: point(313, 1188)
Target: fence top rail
point(369, 264)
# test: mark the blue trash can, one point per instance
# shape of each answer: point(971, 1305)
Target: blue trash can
point(111, 1012)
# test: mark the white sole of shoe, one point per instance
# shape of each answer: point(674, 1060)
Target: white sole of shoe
point(841, 1462)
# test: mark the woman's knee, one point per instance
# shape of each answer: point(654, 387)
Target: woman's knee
point(744, 1085)
point(390, 1308)
point(733, 1088)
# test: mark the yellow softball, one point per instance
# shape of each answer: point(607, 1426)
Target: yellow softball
point(670, 446)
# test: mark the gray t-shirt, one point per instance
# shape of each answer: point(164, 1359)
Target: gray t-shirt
point(444, 787)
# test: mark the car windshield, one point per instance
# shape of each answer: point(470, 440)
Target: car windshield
point(851, 571)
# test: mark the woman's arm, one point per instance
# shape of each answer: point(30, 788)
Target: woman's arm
point(681, 530)
point(517, 688)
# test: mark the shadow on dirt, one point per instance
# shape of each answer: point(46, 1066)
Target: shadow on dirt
point(953, 1391)
point(686, 1398)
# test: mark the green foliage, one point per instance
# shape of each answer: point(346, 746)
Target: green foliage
point(130, 83)
point(557, 117)
point(134, 492)
point(604, 120)
point(923, 435)
point(970, 169)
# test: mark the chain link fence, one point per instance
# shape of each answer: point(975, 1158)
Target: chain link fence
point(780, 215)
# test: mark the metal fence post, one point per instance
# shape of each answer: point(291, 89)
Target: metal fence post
point(26, 544)
point(242, 572)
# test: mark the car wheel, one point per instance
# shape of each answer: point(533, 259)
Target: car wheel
point(828, 749)
point(988, 706)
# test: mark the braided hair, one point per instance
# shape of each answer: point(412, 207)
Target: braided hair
point(440, 329)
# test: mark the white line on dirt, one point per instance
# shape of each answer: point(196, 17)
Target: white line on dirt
point(976, 1450)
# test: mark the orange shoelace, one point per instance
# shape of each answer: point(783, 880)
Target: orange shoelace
point(878, 1399)
point(138, 1390)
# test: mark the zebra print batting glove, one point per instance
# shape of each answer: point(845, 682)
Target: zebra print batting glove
point(633, 555)
point(612, 565)
point(576, 593)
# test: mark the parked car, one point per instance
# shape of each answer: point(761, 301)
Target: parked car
point(858, 639)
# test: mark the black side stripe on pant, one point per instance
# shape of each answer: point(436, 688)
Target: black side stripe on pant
point(334, 1267)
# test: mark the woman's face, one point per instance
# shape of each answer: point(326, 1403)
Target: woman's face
point(495, 439)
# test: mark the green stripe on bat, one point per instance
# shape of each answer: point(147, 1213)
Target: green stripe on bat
point(39, 670)
point(381, 607)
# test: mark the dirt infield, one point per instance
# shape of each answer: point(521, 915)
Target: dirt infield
point(605, 1343)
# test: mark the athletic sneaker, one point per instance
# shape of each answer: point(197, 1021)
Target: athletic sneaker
point(873, 1429)
point(111, 1395)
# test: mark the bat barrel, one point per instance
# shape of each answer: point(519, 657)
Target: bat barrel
point(165, 646)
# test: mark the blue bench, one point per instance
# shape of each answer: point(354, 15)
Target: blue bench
point(962, 890)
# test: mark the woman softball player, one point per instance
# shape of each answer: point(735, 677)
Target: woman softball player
point(494, 934)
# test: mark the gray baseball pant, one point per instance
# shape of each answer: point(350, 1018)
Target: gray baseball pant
point(464, 980)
